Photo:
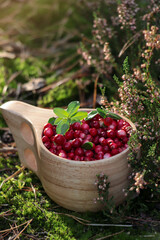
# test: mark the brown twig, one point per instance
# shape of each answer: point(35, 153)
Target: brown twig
point(12, 176)
point(23, 229)
point(129, 43)
point(6, 230)
point(111, 235)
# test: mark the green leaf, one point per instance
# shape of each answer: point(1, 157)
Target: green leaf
point(101, 112)
point(114, 116)
point(73, 108)
point(62, 126)
point(57, 120)
point(60, 112)
point(52, 120)
point(87, 145)
point(74, 120)
point(91, 115)
point(79, 115)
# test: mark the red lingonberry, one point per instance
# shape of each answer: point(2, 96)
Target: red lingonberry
point(62, 154)
point(121, 133)
point(89, 138)
point(120, 123)
point(76, 126)
point(99, 130)
point(77, 158)
point(99, 155)
point(106, 149)
point(59, 139)
point(77, 133)
point(84, 126)
point(95, 124)
point(88, 159)
point(79, 151)
point(96, 140)
point(82, 135)
point(76, 142)
point(98, 148)
point(107, 121)
point(93, 131)
point(125, 139)
point(107, 155)
point(59, 147)
point(71, 155)
point(47, 125)
point(53, 150)
point(48, 132)
point(47, 144)
point(89, 154)
point(45, 139)
point(109, 141)
point(114, 151)
point(103, 134)
point(113, 145)
point(111, 133)
point(102, 141)
point(69, 135)
point(118, 142)
point(67, 146)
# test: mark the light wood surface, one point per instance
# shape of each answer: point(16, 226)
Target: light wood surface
point(69, 183)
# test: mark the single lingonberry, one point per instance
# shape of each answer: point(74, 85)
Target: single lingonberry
point(102, 141)
point(89, 154)
point(107, 155)
point(98, 148)
point(59, 139)
point(47, 125)
point(77, 133)
point(121, 133)
point(76, 142)
point(76, 126)
point(111, 133)
point(62, 154)
point(99, 155)
point(95, 124)
point(114, 151)
point(79, 151)
point(67, 146)
point(47, 144)
point(69, 135)
point(45, 139)
point(107, 121)
point(48, 132)
point(93, 131)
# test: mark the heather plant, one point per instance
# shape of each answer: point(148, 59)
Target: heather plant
point(117, 32)
point(140, 101)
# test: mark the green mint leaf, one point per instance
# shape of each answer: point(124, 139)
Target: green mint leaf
point(79, 115)
point(91, 115)
point(60, 112)
point(87, 145)
point(62, 126)
point(101, 112)
point(74, 120)
point(73, 108)
point(113, 115)
point(51, 120)
point(57, 120)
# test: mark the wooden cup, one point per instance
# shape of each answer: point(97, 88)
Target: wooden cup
point(71, 184)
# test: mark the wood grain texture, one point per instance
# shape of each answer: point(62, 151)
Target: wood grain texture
point(69, 183)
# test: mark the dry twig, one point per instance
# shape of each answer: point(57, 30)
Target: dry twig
point(12, 176)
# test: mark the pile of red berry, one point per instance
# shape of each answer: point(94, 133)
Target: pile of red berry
point(93, 139)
